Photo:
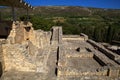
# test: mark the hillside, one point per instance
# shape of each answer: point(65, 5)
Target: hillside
point(62, 11)
point(66, 11)
point(101, 25)
point(74, 11)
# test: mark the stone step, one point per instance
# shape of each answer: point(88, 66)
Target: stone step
point(108, 53)
point(86, 78)
point(69, 72)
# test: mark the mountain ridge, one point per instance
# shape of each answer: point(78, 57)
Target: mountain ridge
point(65, 11)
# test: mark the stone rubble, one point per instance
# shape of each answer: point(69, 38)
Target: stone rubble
point(29, 54)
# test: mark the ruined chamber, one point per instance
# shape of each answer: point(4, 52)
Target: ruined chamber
point(39, 55)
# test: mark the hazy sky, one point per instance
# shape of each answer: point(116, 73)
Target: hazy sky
point(85, 3)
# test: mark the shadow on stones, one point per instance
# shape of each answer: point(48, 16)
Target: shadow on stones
point(56, 71)
point(78, 49)
point(1, 71)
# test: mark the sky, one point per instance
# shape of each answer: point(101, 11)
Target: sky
point(114, 4)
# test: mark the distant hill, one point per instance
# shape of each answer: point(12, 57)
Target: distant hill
point(62, 11)
point(66, 11)
point(102, 25)
point(74, 11)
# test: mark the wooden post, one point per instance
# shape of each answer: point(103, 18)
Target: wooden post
point(0, 16)
point(27, 15)
point(13, 14)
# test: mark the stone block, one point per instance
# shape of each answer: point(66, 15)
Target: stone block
point(113, 72)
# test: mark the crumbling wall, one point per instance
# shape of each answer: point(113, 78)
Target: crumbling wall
point(20, 32)
point(40, 39)
point(65, 70)
point(17, 57)
point(81, 37)
point(56, 35)
point(113, 70)
point(28, 30)
point(85, 36)
point(108, 53)
point(26, 49)
point(73, 37)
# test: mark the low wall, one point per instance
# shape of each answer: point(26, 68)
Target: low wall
point(73, 37)
point(62, 72)
point(16, 57)
point(81, 37)
point(81, 55)
point(85, 36)
point(108, 53)
point(113, 70)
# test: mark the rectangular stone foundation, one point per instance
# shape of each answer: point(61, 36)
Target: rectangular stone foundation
point(77, 64)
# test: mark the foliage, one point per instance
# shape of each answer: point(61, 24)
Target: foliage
point(101, 25)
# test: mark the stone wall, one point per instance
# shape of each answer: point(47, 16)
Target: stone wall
point(78, 73)
point(20, 32)
point(16, 57)
point(85, 36)
point(73, 37)
point(40, 39)
point(27, 55)
point(65, 70)
point(56, 37)
point(108, 53)
point(37, 51)
point(113, 65)
point(72, 59)
point(81, 37)
point(82, 55)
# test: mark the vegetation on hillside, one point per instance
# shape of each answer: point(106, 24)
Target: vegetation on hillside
point(101, 25)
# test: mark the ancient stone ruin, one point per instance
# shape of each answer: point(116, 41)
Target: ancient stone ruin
point(38, 55)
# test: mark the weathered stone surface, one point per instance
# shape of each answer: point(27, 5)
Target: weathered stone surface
point(85, 36)
point(17, 57)
point(40, 55)
point(108, 53)
point(18, 75)
point(87, 61)
point(20, 31)
point(73, 37)
point(114, 72)
point(41, 39)
point(56, 37)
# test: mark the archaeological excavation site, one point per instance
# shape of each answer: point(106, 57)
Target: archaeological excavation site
point(28, 54)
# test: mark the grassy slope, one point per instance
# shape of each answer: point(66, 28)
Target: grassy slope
point(95, 22)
